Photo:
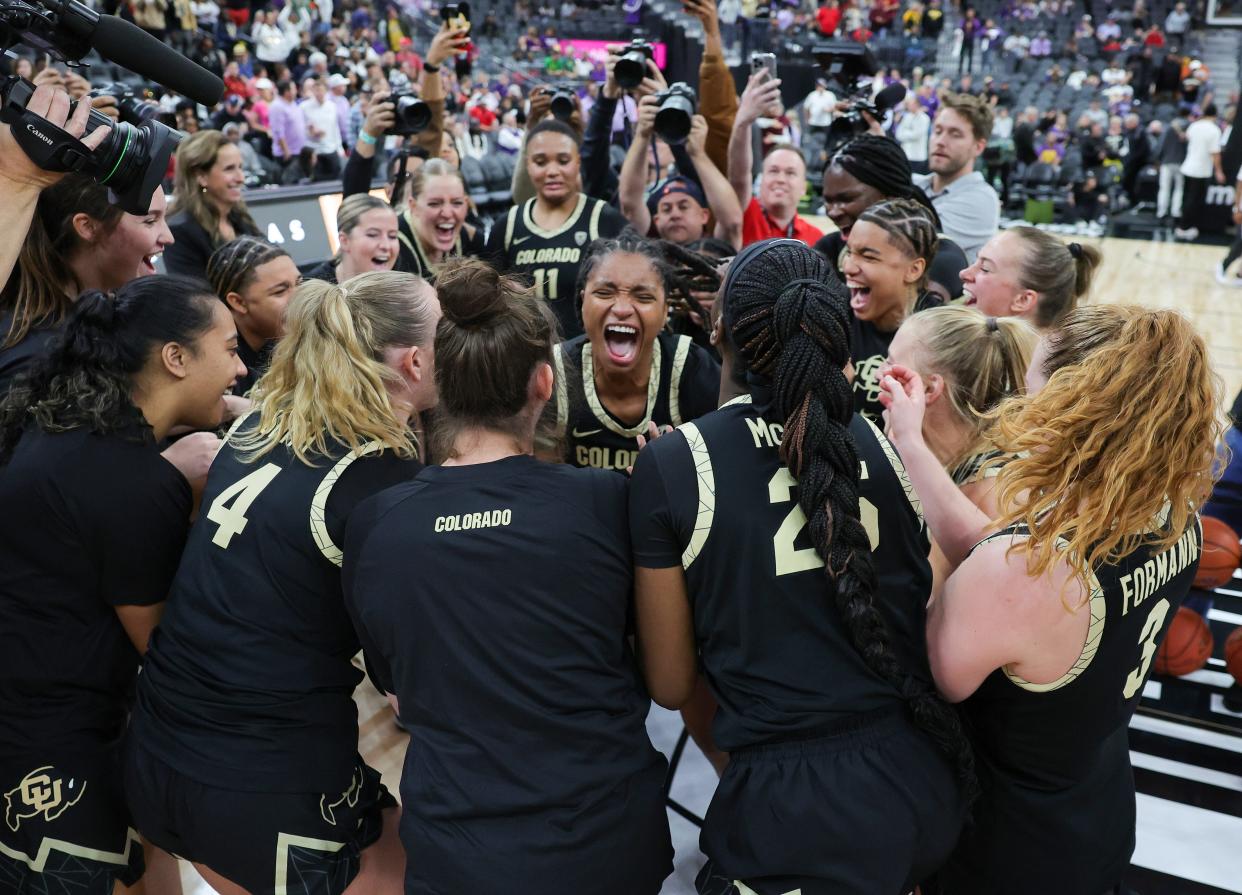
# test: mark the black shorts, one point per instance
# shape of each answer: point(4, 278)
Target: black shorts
point(295, 843)
point(869, 810)
point(65, 824)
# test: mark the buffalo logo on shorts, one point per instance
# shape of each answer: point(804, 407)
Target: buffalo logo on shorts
point(348, 798)
point(41, 792)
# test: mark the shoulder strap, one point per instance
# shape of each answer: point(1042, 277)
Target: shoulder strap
point(593, 226)
point(674, 383)
point(706, 481)
point(510, 223)
point(319, 503)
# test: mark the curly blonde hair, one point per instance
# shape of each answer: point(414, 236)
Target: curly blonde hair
point(327, 379)
point(1127, 423)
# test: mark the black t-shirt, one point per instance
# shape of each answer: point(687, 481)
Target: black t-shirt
point(715, 498)
point(256, 363)
point(249, 681)
point(869, 351)
point(1053, 762)
point(17, 359)
point(90, 522)
point(684, 384)
point(552, 257)
point(497, 596)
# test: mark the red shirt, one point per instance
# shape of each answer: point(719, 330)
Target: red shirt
point(828, 20)
point(483, 115)
point(756, 225)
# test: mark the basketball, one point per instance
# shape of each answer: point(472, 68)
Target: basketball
point(1233, 654)
point(1221, 554)
point(1187, 646)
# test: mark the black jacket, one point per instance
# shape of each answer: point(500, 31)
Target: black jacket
point(193, 245)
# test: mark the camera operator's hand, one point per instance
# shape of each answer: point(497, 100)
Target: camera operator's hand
point(77, 85)
point(107, 105)
point(696, 143)
point(705, 12)
point(653, 83)
point(540, 106)
point(380, 117)
point(51, 104)
point(447, 43)
point(612, 89)
point(759, 98)
point(647, 108)
point(49, 77)
point(874, 127)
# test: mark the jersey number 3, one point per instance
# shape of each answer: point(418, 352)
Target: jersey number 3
point(1147, 640)
point(790, 559)
point(231, 520)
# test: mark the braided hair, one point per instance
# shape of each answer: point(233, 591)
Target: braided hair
point(789, 321)
point(909, 223)
point(682, 271)
point(881, 163)
point(231, 267)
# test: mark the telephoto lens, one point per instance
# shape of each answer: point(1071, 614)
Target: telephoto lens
point(413, 116)
point(133, 110)
point(631, 68)
point(675, 113)
point(132, 161)
point(564, 102)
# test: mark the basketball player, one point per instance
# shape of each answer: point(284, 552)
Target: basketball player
point(969, 364)
point(891, 247)
point(1047, 630)
point(838, 778)
point(626, 373)
point(433, 226)
point(93, 528)
point(243, 754)
point(255, 280)
point(546, 237)
point(495, 591)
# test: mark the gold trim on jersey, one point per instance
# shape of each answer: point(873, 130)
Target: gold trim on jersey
point(898, 467)
point(740, 399)
point(674, 384)
point(597, 408)
point(510, 223)
point(319, 503)
point(529, 220)
point(283, 841)
point(49, 845)
point(236, 424)
point(562, 389)
point(707, 493)
point(593, 224)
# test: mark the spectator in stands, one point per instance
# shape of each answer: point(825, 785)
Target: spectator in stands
point(774, 212)
point(1170, 154)
point(288, 124)
point(968, 206)
point(1176, 24)
point(1025, 130)
point(912, 132)
point(679, 208)
point(323, 132)
point(208, 202)
point(828, 17)
point(1202, 164)
point(972, 29)
point(337, 85)
point(1041, 46)
point(933, 20)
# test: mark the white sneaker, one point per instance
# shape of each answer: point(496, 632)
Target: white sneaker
point(1221, 277)
point(1190, 233)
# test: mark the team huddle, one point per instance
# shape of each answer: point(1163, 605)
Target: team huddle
point(902, 562)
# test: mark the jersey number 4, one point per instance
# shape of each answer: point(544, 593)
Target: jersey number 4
point(231, 520)
point(790, 559)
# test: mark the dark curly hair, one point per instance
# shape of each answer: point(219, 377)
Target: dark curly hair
point(86, 379)
point(789, 320)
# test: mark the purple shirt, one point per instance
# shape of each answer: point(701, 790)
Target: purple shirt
point(288, 123)
point(342, 116)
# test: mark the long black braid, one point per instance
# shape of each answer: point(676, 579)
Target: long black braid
point(789, 320)
point(682, 271)
point(880, 162)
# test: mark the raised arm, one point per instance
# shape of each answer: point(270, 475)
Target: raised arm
point(633, 185)
point(760, 94)
point(716, 188)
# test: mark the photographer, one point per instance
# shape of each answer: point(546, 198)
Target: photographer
point(381, 117)
point(774, 212)
point(681, 207)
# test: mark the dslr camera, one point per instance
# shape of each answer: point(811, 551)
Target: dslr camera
point(132, 109)
point(412, 115)
point(675, 113)
point(631, 68)
point(564, 101)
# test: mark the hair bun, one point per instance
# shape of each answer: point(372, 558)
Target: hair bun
point(97, 308)
point(470, 292)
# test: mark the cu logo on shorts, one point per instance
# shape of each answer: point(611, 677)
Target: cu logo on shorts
point(41, 793)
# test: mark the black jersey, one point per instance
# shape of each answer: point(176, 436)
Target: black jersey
point(498, 595)
point(715, 498)
point(1053, 758)
point(248, 683)
point(684, 384)
point(869, 351)
point(412, 258)
point(975, 467)
point(88, 522)
point(552, 257)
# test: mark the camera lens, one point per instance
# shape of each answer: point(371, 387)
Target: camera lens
point(675, 115)
point(132, 160)
point(412, 115)
point(630, 70)
point(562, 105)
